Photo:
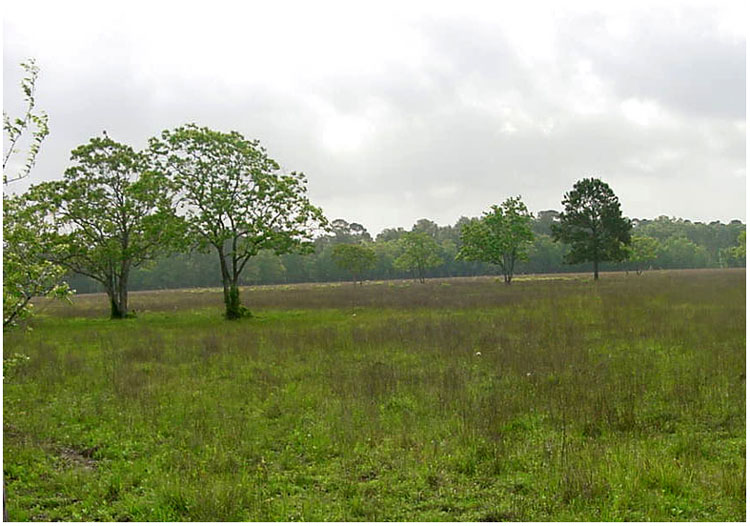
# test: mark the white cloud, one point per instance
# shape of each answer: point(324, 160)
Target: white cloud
point(398, 111)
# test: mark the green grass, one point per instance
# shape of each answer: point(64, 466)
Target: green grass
point(460, 400)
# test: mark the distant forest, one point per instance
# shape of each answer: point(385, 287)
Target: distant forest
point(681, 244)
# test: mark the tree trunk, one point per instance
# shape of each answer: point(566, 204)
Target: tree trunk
point(124, 278)
point(596, 269)
point(115, 312)
point(234, 309)
point(118, 298)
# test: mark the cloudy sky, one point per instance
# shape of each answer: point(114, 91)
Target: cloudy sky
point(399, 111)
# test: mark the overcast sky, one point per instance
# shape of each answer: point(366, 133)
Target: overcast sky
point(402, 111)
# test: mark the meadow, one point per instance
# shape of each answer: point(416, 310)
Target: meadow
point(556, 398)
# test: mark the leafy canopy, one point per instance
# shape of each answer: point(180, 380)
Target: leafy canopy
point(642, 251)
point(355, 258)
point(28, 242)
point(235, 199)
point(229, 190)
point(419, 252)
point(501, 237)
point(113, 213)
point(26, 235)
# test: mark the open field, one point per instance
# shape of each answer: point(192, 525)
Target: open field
point(551, 399)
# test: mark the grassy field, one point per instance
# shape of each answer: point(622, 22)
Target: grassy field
point(464, 399)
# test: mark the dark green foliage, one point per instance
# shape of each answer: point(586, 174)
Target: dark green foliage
point(592, 224)
point(545, 256)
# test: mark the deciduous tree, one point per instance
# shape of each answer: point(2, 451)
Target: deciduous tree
point(17, 129)
point(28, 242)
point(113, 213)
point(25, 273)
point(355, 259)
point(501, 236)
point(642, 251)
point(26, 236)
point(593, 225)
point(419, 252)
point(236, 200)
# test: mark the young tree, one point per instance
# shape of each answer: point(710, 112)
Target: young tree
point(26, 236)
point(419, 252)
point(113, 214)
point(235, 200)
point(15, 129)
point(642, 251)
point(27, 272)
point(501, 237)
point(356, 259)
point(592, 224)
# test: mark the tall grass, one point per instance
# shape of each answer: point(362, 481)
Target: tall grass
point(457, 400)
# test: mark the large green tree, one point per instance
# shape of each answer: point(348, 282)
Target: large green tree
point(419, 252)
point(501, 236)
point(592, 224)
point(113, 213)
point(236, 200)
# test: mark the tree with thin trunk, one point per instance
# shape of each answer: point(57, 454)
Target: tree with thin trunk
point(593, 225)
point(501, 237)
point(25, 273)
point(354, 258)
point(113, 213)
point(235, 200)
point(28, 242)
point(642, 251)
point(419, 252)
point(32, 126)
point(26, 236)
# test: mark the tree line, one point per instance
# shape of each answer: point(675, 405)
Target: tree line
point(661, 243)
point(199, 207)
